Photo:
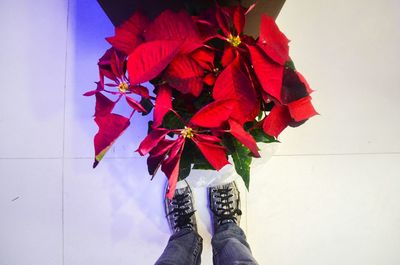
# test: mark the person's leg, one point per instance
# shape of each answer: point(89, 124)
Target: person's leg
point(229, 242)
point(185, 245)
point(230, 246)
point(183, 248)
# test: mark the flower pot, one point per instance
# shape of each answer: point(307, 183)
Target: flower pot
point(120, 10)
point(205, 178)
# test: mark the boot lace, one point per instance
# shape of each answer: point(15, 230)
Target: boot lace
point(225, 210)
point(181, 212)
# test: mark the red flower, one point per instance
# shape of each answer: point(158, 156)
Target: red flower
point(231, 21)
point(249, 82)
point(169, 41)
point(205, 57)
point(296, 105)
point(167, 152)
point(234, 83)
point(130, 34)
point(111, 125)
point(272, 41)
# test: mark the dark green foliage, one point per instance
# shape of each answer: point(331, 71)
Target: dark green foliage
point(147, 105)
point(171, 121)
point(184, 165)
point(290, 64)
point(260, 136)
point(241, 158)
point(192, 156)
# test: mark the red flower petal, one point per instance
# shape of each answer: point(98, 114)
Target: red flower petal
point(135, 105)
point(239, 19)
point(94, 92)
point(222, 21)
point(209, 80)
point(206, 29)
point(304, 81)
point(150, 59)
point(163, 104)
point(171, 166)
point(184, 67)
point(204, 57)
point(268, 72)
point(91, 93)
point(273, 41)
point(157, 155)
point(111, 65)
point(233, 83)
point(292, 88)
point(175, 26)
point(208, 138)
point(244, 137)
point(185, 75)
point(251, 7)
point(129, 35)
point(151, 141)
point(228, 56)
point(171, 170)
point(193, 85)
point(215, 154)
point(302, 109)
point(162, 147)
point(277, 120)
point(214, 114)
point(140, 90)
point(104, 105)
point(111, 127)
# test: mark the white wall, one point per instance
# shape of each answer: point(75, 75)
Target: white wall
point(329, 196)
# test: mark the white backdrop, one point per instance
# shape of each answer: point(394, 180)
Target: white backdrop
point(330, 195)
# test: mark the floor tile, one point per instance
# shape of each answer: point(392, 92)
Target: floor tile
point(347, 51)
point(326, 210)
point(115, 212)
point(32, 78)
point(31, 211)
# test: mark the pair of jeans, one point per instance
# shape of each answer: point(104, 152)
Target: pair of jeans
point(229, 248)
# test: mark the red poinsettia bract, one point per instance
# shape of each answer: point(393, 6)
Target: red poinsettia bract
point(228, 90)
point(167, 152)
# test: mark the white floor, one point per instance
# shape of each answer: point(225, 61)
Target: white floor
point(330, 195)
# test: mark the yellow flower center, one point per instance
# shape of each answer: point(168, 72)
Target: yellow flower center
point(215, 70)
point(123, 87)
point(234, 40)
point(187, 132)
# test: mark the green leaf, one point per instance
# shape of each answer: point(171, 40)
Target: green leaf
point(171, 121)
point(290, 64)
point(147, 105)
point(241, 159)
point(149, 126)
point(260, 136)
point(204, 99)
point(260, 115)
point(184, 167)
point(196, 157)
point(203, 166)
point(186, 161)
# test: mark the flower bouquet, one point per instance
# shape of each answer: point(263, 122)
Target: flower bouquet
point(213, 91)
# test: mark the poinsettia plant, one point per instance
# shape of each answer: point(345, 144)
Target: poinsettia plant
point(213, 91)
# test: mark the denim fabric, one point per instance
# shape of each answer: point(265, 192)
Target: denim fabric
point(183, 248)
point(229, 248)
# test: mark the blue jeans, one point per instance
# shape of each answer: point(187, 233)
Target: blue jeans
point(229, 248)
